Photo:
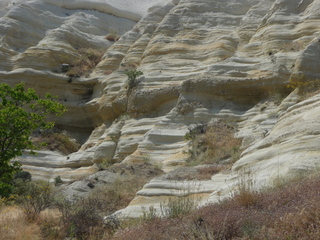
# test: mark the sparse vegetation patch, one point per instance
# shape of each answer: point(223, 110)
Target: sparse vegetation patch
point(213, 143)
point(88, 60)
point(306, 88)
point(177, 207)
point(56, 141)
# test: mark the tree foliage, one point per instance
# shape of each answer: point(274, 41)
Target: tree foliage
point(22, 112)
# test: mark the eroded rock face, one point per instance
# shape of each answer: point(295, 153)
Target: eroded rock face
point(202, 60)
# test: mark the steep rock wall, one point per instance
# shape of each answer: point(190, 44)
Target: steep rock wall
point(202, 60)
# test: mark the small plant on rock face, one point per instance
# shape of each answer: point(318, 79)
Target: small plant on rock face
point(132, 79)
point(58, 181)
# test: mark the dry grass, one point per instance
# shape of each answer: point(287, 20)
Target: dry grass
point(213, 144)
point(289, 212)
point(203, 172)
point(56, 141)
point(81, 218)
point(119, 194)
point(88, 60)
point(13, 225)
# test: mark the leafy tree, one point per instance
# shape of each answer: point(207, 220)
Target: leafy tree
point(21, 113)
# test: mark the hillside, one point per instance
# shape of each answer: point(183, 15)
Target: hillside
point(202, 60)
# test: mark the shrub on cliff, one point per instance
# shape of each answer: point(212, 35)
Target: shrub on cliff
point(132, 79)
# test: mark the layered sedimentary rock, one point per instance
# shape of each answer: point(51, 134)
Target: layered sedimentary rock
point(201, 59)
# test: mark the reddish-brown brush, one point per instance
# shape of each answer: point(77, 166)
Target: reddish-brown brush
point(289, 212)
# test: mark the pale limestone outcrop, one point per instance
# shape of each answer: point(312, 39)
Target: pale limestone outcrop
point(81, 188)
point(202, 60)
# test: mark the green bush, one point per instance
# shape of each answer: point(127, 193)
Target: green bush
point(79, 217)
point(23, 175)
point(34, 197)
point(132, 79)
point(105, 163)
point(58, 181)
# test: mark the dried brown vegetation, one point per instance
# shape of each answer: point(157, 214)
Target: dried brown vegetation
point(56, 141)
point(13, 225)
point(213, 143)
point(80, 218)
point(88, 60)
point(289, 212)
point(83, 218)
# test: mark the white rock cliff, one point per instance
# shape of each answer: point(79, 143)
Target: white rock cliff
point(201, 59)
